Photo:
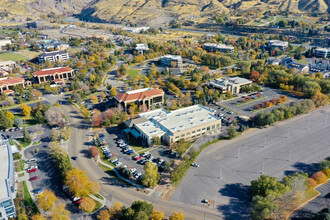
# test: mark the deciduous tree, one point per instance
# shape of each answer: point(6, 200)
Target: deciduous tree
point(104, 215)
point(47, 200)
point(58, 212)
point(25, 109)
point(38, 217)
point(54, 116)
point(177, 216)
point(94, 151)
point(151, 175)
point(78, 182)
point(157, 215)
point(87, 205)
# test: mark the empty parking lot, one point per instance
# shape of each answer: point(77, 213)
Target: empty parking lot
point(294, 145)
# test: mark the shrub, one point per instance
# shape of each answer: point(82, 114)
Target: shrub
point(320, 177)
point(87, 205)
point(326, 172)
point(311, 183)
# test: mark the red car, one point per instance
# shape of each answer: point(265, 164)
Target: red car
point(34, 178)
point(32, 170)
point(77, 200)
point(137, 158)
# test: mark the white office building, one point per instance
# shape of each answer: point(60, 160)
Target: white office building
point(211, 47)
point(322, 53)
point(53, 56)
point(171, 61)
point(141, 48)
point(282, 45)
point(7, 181)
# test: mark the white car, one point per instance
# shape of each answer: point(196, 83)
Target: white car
point(114, 160)
point(133, 170)
point(119, 163)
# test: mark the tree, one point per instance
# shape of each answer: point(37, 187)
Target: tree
point(320, 177)
point(36, 94)
point(55, 135)
point(94, 99)
point(94, 151)
point(47, 200)
point(97, 118)
point(142, 206)
point(26, 136)
point(116, 209)
point(78, 182)
point(10, 115)
point(151, 175)
point(232, 131)
point(320, 99)
point(38, 217)
point(18, 122)
point(40, 116)
point(54, 116)
point(58, 212)
point(113, 92)
point(156, 140)
point(264, 184)
point(177, 216)
point(157, 215)
point(25, 109)
point(102, 95)
point(104, 215)
point(65, 133)
point(87, 205)
point(5, 122)
point(141, 215)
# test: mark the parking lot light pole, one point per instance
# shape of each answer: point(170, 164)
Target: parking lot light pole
point(220, 174)
point(289, 156)
point(288, 134)
point(263, 167)
point(308, 125)
point(239, 152)
point(265, 142)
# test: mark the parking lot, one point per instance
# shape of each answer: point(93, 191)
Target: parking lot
point(113, 134)
point(247, 109)
point(227, 167)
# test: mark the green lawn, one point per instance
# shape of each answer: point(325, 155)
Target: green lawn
point(28, 199)
point(12, 56)
point(36, 142)
point(133, 72)
point(19, 165)
point(22, 142)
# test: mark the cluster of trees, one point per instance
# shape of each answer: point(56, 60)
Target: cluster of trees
point(285, 112)
point(140, 210)
point(287, 79)
point(271, 199)
point(109, 117)
point(279, 100)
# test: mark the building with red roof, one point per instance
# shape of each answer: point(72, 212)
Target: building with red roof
point(10, 82)
point(53, 74)
point(147, 97)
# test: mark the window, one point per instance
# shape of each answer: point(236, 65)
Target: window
point(182, 136)
point(218, 125)
point(199, 130)
point(203, 129)
point(193, 132)
point(9, 210)
point(177, 137)
point(213, 127)
point(208, 128)
point(7, 203)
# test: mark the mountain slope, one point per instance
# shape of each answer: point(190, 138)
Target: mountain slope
point(34, 8)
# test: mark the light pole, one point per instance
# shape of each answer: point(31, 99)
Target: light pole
point(263, 167)
point(265, 141)
point(308, 125)
point(239, 152)
point(290, 155)
point(288, 134)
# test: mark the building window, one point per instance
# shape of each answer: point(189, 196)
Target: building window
point(177, 137)
point(199, 130)
point(193, 132)
point(218, 125)
point(182, 136)
point(7, 203)
point(208, 128)
point(213, 127)
point(203, 129)
point(9, 210)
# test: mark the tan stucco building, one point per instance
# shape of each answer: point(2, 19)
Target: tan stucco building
point(232, 84)
point(54, 74)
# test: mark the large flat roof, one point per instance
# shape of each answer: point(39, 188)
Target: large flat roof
point(4, 171)
point(179, 120)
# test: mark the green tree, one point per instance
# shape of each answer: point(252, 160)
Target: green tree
point(26, 136)
point(151, 175)
point(138, 206)
point(264, 184)
point(232, 131)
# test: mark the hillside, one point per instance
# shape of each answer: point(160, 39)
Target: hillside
point(153, 12)
point(35, 8)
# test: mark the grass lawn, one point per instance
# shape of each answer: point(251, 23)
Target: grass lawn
point(12, 56)
point(28, 199)
point(22, 142)
point(30, 54)
point(29, 120)
point(36, 143)
point(98, 196)
point(133, 72)
point(19, 165)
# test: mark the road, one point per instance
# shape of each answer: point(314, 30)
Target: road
point(118, 191)
point(227, 167)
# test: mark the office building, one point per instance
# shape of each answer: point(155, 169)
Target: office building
point(322, 53)
point(186, 123)
point(57, 75)
point(148, 97)
point(282, 45)
point(7, 181)
point(171, 61)
point(211, 47)
point(232, 84)
point(53, 56)
point(141, 48)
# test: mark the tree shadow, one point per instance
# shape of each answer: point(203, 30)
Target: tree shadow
point(239, 203)
point(86, 153)
point(306, 168)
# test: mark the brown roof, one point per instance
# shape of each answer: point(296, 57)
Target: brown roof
point(140, 94)
point(52, 71)
point(11, 81)
point(8, 91)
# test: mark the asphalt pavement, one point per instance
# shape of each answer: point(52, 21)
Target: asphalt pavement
point(227, 167)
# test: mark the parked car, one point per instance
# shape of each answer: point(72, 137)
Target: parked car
point(32, 160)
point(195, 164)
point(37, 191)
point(77, 200)
point(145, 154)
point(34, 178)
point(32, 170)
point(137, 158)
